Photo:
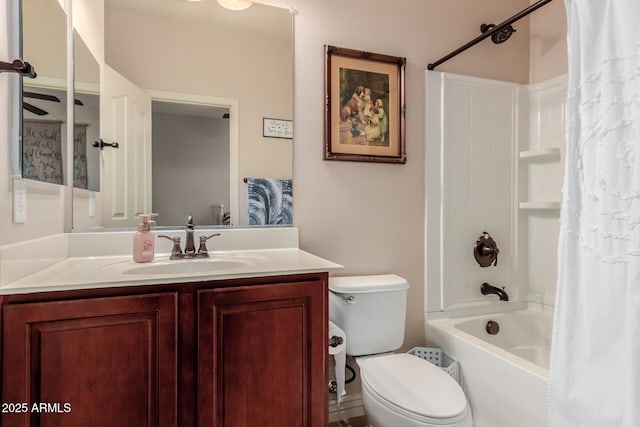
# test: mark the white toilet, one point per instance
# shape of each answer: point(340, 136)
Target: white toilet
point(398, 390)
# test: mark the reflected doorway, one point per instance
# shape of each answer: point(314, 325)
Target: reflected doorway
point(191, 160)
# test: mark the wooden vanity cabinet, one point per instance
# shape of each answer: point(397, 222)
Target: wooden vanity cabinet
point(233, 353)
point(100, 362)
point(261, 355)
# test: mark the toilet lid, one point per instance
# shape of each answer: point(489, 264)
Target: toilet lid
point(414, 385)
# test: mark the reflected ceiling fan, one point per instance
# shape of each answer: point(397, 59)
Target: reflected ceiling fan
point(39, 111)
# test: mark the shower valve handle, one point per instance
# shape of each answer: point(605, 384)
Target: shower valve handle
point(485, 250)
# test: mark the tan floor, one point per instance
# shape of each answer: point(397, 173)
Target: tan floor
point(352, 422)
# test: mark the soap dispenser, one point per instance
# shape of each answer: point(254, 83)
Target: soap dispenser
point(143, 240)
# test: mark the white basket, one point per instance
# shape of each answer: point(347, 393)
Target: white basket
point(440, 359)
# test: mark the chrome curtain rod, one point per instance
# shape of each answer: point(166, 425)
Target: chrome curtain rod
point(489, 33)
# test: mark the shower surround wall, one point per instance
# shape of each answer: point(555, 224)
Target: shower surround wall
point(540, 171)
point(472, 123)
point(493, 164)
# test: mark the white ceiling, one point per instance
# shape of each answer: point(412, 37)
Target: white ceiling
point(258, 17)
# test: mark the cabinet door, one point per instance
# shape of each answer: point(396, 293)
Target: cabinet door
point(95, 362)
point(262, 355)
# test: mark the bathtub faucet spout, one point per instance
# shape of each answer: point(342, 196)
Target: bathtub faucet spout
point(487, 289)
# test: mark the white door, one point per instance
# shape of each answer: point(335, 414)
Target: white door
point(125, 181)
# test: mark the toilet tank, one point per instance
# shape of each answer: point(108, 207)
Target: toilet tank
point(371, 310)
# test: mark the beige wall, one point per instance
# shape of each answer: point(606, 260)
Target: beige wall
point(548, 49)
point(368, 217)
point(88, 17)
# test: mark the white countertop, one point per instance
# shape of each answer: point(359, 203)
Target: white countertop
point(117, 271)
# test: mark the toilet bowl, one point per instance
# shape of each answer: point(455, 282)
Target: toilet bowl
point(402, 390)
point(398, 390)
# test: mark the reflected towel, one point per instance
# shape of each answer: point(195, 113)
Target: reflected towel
point(270, 201)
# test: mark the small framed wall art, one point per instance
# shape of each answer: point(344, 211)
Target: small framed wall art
point(277, 128)
point(365, 106)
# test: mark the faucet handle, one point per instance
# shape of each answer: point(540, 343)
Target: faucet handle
point(485, 250)
point(176, 251)
point(202, 250)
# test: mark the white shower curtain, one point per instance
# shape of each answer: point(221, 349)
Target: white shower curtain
point(594, 378)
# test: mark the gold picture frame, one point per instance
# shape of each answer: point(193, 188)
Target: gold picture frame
point(365, 106)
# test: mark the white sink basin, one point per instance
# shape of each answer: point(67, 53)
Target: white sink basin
point(213, 264)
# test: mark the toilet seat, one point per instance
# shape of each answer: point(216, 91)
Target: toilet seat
point(414, 388)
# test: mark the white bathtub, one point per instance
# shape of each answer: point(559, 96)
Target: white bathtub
point(504, 376)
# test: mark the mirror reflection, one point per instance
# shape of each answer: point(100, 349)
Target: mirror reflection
point(86, 156)
point(201, 158)
point(185, 87)
point(44, 99)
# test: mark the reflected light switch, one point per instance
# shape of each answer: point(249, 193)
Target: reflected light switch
point(92, 204)
point(19, 200)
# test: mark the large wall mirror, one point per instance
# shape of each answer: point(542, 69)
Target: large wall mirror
point(184, 88)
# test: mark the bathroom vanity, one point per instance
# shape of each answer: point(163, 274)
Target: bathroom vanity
point(245, 345)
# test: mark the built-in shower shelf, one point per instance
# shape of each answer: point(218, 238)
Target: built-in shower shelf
point(540, 205)
point(551, 153)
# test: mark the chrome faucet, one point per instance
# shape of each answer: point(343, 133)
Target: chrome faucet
point(189, 247)
point(488, 289)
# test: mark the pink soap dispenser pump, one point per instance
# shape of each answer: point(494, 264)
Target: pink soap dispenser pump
point(143, 240)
